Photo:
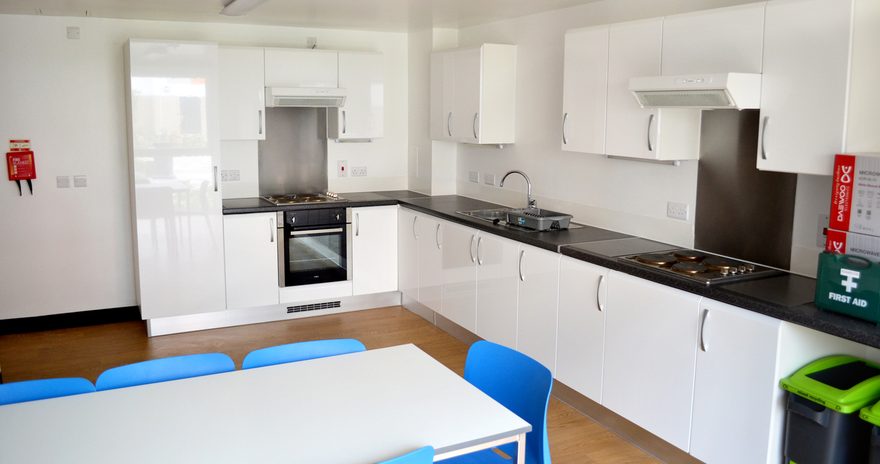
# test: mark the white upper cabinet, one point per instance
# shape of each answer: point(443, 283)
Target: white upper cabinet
point(585, 90)
point(806, 88)
point(251, 246)
point(374, 249)
point(473, 94)
point(242, 95)
point(362, 117)
point(714, 41)
point(658, 134)
point(174, 148)
point(291, 67)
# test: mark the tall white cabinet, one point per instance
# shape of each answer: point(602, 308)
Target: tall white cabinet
point(361, 74)
point(172, 93)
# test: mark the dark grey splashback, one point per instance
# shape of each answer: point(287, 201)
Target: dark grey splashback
point(293, 158)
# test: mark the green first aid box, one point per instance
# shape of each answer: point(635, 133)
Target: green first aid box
point(850, 285)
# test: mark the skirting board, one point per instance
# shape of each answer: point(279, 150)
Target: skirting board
point(271, 313)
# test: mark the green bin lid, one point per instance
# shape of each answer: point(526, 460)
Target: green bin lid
point(842, 383)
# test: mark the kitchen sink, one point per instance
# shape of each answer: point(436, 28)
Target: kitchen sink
point(491, 215)
point(532, 219)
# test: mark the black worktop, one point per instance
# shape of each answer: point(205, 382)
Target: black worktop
point(787, 297)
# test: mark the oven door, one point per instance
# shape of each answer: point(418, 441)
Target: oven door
point(315, 255)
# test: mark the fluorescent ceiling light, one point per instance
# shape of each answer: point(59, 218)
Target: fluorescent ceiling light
point(240, 7)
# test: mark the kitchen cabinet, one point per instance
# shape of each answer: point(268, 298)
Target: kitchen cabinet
point(735, 386)
point(242, 94)
point(374, 249)
point(362, 116)
point(293, 67)
point(650, 349)
point(407, 256)
point(808, 84)
point(719, 40)
point(473, 95)
point(585, 90)
point(537, 293)
point(251, 248)
point(634, 50)
point(459, 268)
point(580, 342)
point(174, 168)
point(497, 279)
point(430, 252)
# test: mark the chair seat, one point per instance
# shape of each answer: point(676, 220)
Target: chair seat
point(480, 457)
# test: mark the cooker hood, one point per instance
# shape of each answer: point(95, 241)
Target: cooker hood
point(699, 91)
point(308, 97)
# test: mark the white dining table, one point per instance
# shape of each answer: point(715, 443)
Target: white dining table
point(355, 408)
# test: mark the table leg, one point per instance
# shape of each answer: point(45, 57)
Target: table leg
point(521, 449)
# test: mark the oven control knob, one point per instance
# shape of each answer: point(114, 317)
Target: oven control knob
point(733, 270)
point(724, 271)
point(750, 267)
point(742, 269)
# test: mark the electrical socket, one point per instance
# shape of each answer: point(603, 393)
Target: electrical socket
point(342, 168)
point(474, 177)
point(489, 179)
point(358, 171)
point(676, 210)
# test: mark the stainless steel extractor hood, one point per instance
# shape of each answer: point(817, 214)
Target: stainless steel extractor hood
point(305, 97)
point(698, 91)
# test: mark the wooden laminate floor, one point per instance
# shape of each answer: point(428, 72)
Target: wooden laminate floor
point(88, 351)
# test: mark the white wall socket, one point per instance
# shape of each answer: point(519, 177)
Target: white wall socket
point(677, 210)
point(488, 179)
point(342, 168)
point(358, 171)
point(474, 176)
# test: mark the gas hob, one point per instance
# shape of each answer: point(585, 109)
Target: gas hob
point(701, 267)
point(298, 198)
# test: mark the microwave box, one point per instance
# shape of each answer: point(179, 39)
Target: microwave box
point(855, 195)
point(851, 243)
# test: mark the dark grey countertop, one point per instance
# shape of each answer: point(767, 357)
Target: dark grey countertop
point(786, 297)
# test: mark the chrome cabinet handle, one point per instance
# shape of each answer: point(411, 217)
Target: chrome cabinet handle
point(344, 122)
point(764, 137)
point(522, 253)
point(260, 121)
point(703, 345)
point(650, 123)
point(479, 249)
point(298, 233)
point(474, 126)
point(471, 249)
point(449, 124)
point(564, 121)
point(216, 186)
point(272, 230)
point(357, 224)
point(415, 235)
point(437, 236)
point(599, 292)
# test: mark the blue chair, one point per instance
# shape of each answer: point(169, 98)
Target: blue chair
point(301, 351)
point(30, 390)
point(420, 456)
point(164, 369)
point(519, 383)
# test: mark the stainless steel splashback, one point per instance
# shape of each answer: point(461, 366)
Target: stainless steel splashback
point(293, 158)
point(741, 212)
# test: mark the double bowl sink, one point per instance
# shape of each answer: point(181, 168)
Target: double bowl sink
point(534, 219)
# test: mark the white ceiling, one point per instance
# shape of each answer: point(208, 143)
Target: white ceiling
point(379, 15)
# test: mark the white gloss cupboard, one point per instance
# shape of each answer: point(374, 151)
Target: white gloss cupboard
point(361, 74)
point(459, 268)
point(497, 279)
point(585, 90)
point(293, 67)
point(172, 93)
point(250, 243)
point(374, 249)
point(407, 256)
point(537, 293)
point(242, 94)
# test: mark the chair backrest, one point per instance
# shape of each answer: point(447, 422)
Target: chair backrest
point(420, 456)
point(30, 390)
point(519, 383)
point(164, 369)
point(301, 351)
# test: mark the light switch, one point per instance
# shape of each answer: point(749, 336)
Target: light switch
point(62, 182)
point(80, 182)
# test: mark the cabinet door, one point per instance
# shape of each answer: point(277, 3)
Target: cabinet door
point(429, 235)
point(585, 90)
point(496, 289)
point(735, 385)
point(466, 101)
point(374, 249)
point(804, 85)
point(362, 116)
point(538, 272)
point(459, 301)
point(251, 260)
point(580, 341)
point(175, 164)
point(650, 350)
point(720, 40)
point(633, 50)
point(407, 256)
point(242, 94)
point(442, 95)
point(290, 67)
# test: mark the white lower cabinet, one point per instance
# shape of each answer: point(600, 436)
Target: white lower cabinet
point(430, 261)
point(537, 293)
point(650, 349)
point(407, 256)
point(251, 260)
point(735, 385)
point(496, 289)
point(459, 258)
point(580, 334)
point(374, 249)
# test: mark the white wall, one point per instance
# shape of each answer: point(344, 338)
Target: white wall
point(69, 250)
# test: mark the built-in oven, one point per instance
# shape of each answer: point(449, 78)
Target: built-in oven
point(313, 246)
